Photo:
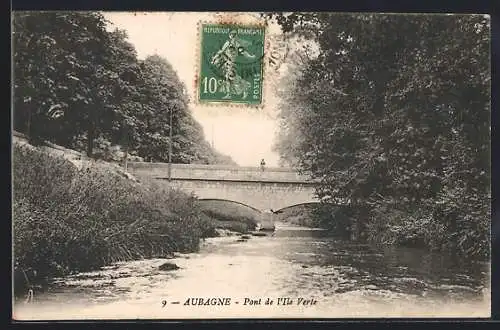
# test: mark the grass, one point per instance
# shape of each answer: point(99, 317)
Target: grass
point(300, 215)
point(69, 219)
point(229, 215)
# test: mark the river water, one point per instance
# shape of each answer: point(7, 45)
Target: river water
point(335, 278)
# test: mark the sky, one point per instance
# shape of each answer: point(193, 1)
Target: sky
point(245, 134)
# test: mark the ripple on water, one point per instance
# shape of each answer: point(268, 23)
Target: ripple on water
point(347, 280)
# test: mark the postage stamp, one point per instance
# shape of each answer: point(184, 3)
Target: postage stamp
point(231, 64)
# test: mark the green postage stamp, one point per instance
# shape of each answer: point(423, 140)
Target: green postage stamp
point(231, 68)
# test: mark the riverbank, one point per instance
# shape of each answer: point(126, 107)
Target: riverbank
point(423, 227)
point(71, 216)
point(345, 278)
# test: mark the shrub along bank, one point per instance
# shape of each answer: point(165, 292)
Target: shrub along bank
point(432, 226)
point(459, 229)
point(68, 219)
point(229, 215)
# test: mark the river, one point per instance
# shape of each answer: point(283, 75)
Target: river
point(337, 279)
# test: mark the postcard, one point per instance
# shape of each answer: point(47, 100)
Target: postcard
point(223, 165)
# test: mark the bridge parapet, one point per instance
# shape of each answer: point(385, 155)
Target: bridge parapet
point(218, 173)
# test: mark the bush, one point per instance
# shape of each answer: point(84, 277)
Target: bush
point(437, 225)
point(415, 228)
point(68, 219)
point(229, 215)
point(301, 215)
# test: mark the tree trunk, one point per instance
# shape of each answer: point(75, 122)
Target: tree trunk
point(28, 123)
point(90, 140)
point(125, 161)
point(91, 132)
point(170, 147)
point(125, 143)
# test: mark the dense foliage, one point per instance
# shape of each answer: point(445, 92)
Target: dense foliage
point(393, 115)
point(81, 86)
point(74, 219)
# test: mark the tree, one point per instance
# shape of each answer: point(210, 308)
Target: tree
point(394, 111)
point(81, 86)
point(60, 75)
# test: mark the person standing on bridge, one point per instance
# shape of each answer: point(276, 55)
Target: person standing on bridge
point(262, 164)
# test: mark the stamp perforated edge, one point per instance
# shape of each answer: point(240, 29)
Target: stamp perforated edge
point(198, 59)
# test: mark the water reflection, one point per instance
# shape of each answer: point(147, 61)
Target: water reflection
point(347, 278)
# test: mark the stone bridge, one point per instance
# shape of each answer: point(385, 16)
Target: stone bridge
point(273, 188)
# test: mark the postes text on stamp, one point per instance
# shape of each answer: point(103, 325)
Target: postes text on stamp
point(231, 64)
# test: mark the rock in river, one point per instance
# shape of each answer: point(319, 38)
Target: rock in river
point(169, 266)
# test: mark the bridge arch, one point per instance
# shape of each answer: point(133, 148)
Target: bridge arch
point(231, 201)
point(300, 204)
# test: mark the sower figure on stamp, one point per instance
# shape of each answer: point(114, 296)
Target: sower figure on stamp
point(228, 55)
